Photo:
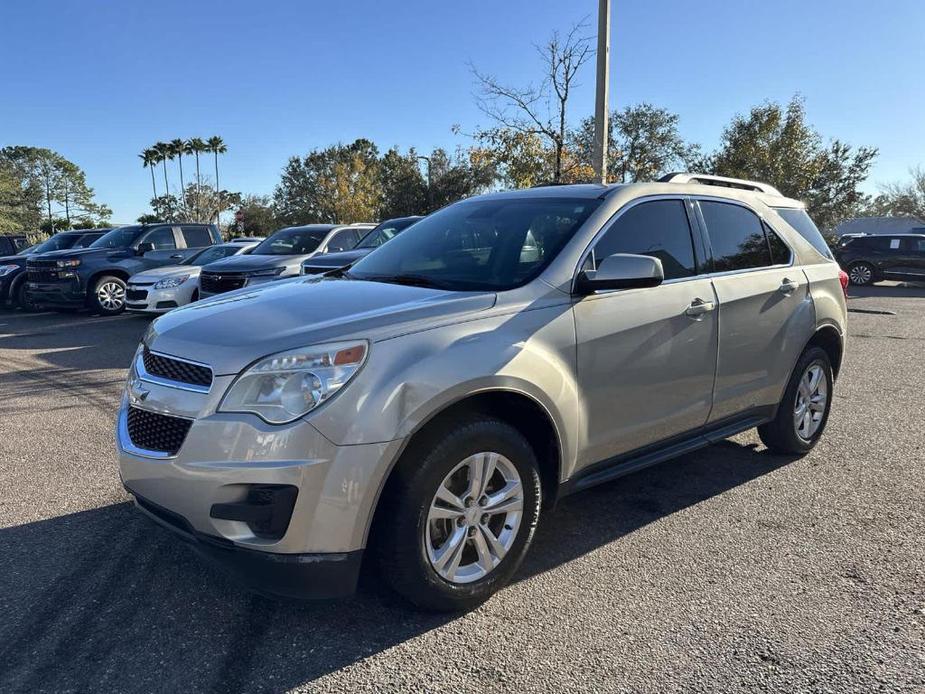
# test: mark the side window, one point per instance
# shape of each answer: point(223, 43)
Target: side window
point(801, 221)
point(196, 237)
point(342, 241)
point(780, 252)
point(736, 236)
point(659, 229)
point(162, 238)
point(894, 244)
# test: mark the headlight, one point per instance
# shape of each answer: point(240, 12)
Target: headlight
point(74, 262)
point(7, 269)
point(270, 272)
point(171, 282)
point(282, 387)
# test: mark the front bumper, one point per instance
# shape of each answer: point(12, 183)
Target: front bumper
point(61, 293)
point(145, 298)
point(224, 456)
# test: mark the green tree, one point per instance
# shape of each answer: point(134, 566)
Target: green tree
point(162, 150)
point(196, 146)
point(148, 158)
point(519, 159)
point(540, 109)
point(404, 190)
point(20, 198)
point(454, 178)
point(217, 146)
point(77, 197)
point(906, 199)
point(776, 145)
point(257, 216)
point(643, 144)
point(177, 149)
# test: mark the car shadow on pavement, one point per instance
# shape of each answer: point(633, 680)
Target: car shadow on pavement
point(106, 600)
point(910, 290)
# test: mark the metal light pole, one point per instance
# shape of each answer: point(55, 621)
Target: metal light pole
point(602, 100)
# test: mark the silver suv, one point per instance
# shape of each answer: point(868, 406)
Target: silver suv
point(418, 410)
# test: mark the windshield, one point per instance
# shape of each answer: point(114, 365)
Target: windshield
point(383, 233)
point(479, 244)
point(291, 242)
point(86, 240)
point(118, 238)
point(210, 255)
point(58, 242)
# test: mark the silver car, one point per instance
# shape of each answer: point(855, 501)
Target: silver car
point(417, 411)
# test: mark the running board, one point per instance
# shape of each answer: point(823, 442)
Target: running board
point(628, 463)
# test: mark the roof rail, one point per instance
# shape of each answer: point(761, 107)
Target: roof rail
point(722, 181)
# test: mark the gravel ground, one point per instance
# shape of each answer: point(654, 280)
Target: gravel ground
point(728, 570)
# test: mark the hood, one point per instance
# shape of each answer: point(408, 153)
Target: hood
point(336, 260)
point(250, 263)
point(233, 330)
point(159, 273)
point(14, 259)
point(81, 253)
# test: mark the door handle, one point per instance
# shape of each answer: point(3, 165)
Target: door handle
point(698, 307)
point(788, 286)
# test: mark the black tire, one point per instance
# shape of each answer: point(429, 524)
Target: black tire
point(862, 274)
point(399, 541)
point(107, 286)
point(195, 296)
point(781, 434)
point(22, 299)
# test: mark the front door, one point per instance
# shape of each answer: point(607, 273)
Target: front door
point(646, 357)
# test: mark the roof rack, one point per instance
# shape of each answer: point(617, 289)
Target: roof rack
point(722, 181)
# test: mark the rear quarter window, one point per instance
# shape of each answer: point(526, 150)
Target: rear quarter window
point(806, 227)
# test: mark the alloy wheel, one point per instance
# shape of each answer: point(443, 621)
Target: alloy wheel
point(812, 397)
point(860, 274)
point(111, 296)
point(474, 518)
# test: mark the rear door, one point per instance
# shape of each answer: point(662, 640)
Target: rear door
point(765, 309)
point(916, 245)
point(646, 357)
point(168, 247)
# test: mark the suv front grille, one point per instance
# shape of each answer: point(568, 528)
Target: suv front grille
point(176, 370)
point(42, 270)
point(157, 432)
point(213, 283)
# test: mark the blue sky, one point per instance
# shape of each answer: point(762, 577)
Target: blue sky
point(100, 80)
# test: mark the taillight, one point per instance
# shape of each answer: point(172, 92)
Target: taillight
point(843, 278)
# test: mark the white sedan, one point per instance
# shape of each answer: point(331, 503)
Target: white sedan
point(165, 288)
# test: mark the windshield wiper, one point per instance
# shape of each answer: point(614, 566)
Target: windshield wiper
point(409, 280)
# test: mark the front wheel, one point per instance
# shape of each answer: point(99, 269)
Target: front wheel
point(23, 301)
point(108, 297)
point(460, 519)
point(804, 409)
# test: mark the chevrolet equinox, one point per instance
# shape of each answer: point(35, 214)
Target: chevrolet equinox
point(418, 409)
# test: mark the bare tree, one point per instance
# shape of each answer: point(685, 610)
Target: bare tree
point(540, 109)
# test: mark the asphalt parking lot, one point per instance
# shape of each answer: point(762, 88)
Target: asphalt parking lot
point(728, 570)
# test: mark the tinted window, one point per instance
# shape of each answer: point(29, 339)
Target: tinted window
point(736, 236)
point(20, 243)
point(58, 242)
point(211, 254)
point(196, 237)
point(780, 252)
point(118, 238)
point(343, 241)
point(383, 233)
point(805, 226)
point(86, 240)
point(659, 229)
point(162, 238)
point(291, 242)
point(479, 244)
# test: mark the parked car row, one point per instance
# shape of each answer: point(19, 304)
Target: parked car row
point(872, 258)
point(154, 268)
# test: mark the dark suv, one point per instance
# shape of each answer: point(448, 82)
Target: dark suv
point(13, 267)
point(869, 259)
point(96, 276)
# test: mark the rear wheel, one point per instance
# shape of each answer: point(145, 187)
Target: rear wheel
point(804, 409)
point(108, 297)
point(459, 521)
point(861, 274)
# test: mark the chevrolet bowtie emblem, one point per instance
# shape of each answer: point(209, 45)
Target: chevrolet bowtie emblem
point(137, 393)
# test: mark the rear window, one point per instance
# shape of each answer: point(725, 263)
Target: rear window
point(806, 227)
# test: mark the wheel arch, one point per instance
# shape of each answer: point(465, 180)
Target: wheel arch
point(829, 338)
point(113, 271)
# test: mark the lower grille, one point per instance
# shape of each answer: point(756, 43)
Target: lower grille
point(136, 294)
point(42, 275)
point(176, 370)
point(151, 431)
point(218, 284)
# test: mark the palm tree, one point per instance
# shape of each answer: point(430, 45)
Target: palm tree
point(177, 148)
point(196, 146)
point(217, 146)
point(163, 154)
point(148, 161)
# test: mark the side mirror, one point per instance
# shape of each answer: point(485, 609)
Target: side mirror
point(144, 248)
point(621, 271)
